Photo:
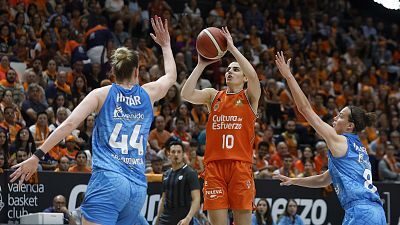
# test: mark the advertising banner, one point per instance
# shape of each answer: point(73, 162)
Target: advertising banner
point(316, 206)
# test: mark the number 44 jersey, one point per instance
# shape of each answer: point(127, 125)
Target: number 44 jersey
point(351, 175)
point(230, 128)
point(121, 132)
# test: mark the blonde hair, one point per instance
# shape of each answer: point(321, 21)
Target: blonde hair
point(124, 61)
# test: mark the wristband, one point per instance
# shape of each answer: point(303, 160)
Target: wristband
point(39, 153)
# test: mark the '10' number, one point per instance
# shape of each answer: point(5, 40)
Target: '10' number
point(227, 141)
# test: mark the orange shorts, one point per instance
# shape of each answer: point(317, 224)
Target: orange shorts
point(228, 184)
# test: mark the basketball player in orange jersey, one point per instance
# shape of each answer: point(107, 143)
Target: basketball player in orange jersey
point(228, 180)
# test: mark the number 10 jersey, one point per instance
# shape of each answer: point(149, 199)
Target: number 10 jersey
point(230, 128)
point(121, 132)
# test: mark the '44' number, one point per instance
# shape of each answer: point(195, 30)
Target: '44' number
point(135, 141)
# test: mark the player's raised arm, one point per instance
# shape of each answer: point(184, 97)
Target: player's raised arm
point(189, 91)
point(159, 88)
point(253, 84)
point(337, 143)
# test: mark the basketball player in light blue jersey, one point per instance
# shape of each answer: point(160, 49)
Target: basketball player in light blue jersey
point(117, 189)
point(348, 169)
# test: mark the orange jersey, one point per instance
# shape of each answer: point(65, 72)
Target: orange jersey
point(230, 128)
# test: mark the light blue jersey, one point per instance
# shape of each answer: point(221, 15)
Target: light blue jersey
point(121, 132)
point(117, 188)
point(352, 181)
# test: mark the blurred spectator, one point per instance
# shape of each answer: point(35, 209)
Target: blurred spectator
point(180, 130)
point(262, 214)
point(87, 131)
point(195, 161)
point(81, 164)
point(119, 35)
point(309, 170)
point(389, 167)
point(321, 156)
point(7, 101)
point(2, 163)
point(10, 83)
point(71, 148)
point(158, 136)
point(23, 140)
point(277, 158)
point(395, 139)
point(287, 168)
point(60, 86)
point(291, 138)
point(290, 216)
point(33, 104)
point(98, 42)
point(8, 156)
point(63, 165)
point(306, 156)
point(10, 124)
point(262, 156)
point(147, 57)
point(192, 9)
point(59, 206)
point(40, 130)
point(157, 165)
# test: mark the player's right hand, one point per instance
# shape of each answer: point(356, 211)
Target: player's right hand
point(286, 181)
point(25, 169)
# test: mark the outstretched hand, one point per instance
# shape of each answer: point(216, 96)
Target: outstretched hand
point(283, 66)
point(228, 37)
point(24, 170)
point(161, 35)
point(286, 181)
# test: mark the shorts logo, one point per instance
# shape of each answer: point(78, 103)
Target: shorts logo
point(214, 193)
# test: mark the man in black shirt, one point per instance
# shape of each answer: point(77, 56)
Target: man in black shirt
point(181, 190)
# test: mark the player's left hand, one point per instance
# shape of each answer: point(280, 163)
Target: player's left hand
point(228, 37)
point(184, 221)
point(161, 35)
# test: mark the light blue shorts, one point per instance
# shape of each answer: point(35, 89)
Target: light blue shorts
point(112, 199)
point(366, 214)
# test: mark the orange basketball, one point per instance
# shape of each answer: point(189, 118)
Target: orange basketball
point(211, 43)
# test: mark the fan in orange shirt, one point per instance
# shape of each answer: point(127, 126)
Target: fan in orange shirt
point(81, 164)
point(321, 157)
point(230, 136)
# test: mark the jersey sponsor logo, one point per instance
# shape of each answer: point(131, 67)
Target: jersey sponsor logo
point(360, 148)
point(223, 122)
point(214, 193)
point(239, 103)
point(119, 114)
point(180, 177)
point(129, 100)
point(216, 106)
